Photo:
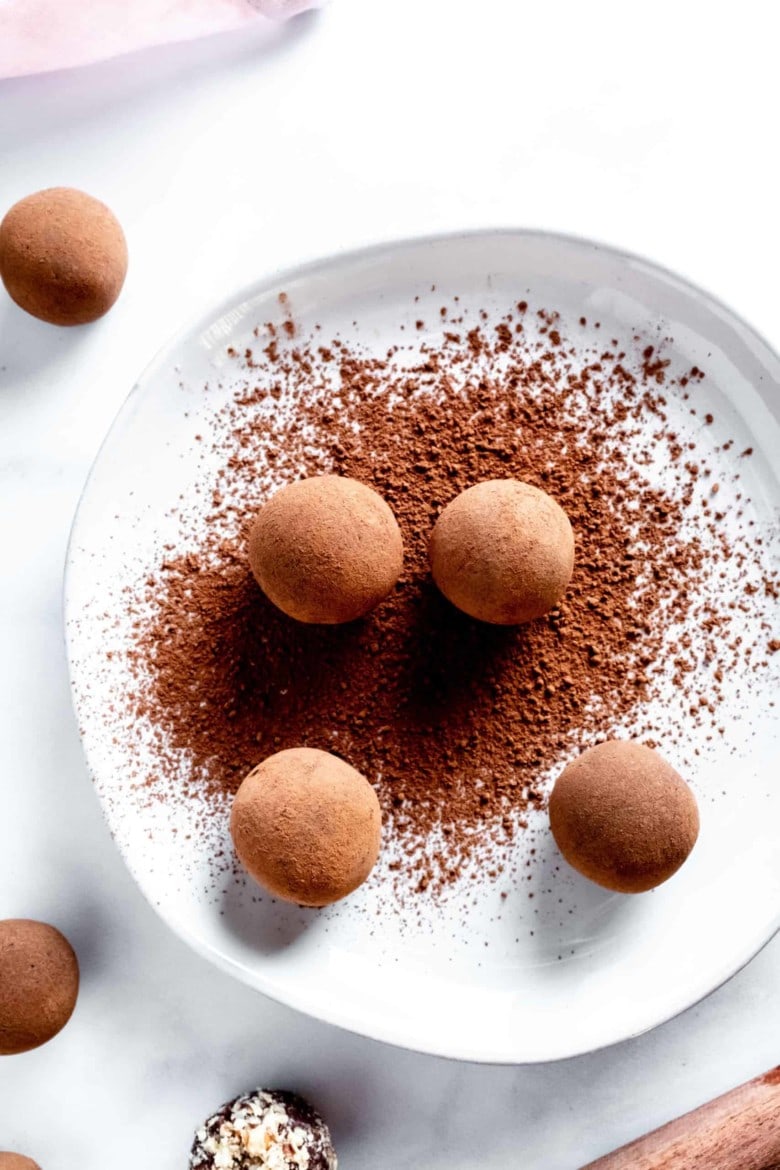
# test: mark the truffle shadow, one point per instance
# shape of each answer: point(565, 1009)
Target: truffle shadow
point(86, 927)
point(30, 345)
point(345, 1097)
point(447, 657)
point(271, 671)
point(261, 922)
point(576, 918)
point(451, 655)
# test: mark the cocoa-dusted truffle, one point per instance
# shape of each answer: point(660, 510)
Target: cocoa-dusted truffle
point(268, 1129)
point(9, 1161)
point(307, 826)
point(63, 256)
point(39, 983)
point(326, 549)
point(623, 817)
point(503, 552)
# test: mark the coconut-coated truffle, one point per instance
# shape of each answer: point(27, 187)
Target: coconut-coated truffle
point(9, 1161)
point(623, 817)
point(39, 984)
point(326, 549)
point(63, 256)
point(268, 1129)
point(503, 552)
point(307, 826)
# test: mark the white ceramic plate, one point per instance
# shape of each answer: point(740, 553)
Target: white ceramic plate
point(508, 980)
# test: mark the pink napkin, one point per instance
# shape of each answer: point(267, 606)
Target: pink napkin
point(38, 35)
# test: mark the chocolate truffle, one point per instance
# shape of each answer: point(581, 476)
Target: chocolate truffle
point(503, 552)
point(326, 549)
point(39, 983)
point(307, 826)
point(623, 817)
point(266, 1130)
point(63, 256)
point(9, 1161)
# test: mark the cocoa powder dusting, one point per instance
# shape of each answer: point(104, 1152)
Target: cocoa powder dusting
point(457, 724)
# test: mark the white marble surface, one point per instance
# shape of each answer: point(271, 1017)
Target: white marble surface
point(226, 159)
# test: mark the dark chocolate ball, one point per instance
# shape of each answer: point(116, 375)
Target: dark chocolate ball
point(269, 1129)
point(326, 549)
point(39, 983)
point(623, 817)
point(63, 256)
point(307, 826)
point(503, 552)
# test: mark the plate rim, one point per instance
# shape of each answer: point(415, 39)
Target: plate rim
point(373, 1028)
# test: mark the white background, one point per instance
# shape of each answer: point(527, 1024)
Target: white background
point(649, 127)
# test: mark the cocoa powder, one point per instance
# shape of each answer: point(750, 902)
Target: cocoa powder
point(459, 725)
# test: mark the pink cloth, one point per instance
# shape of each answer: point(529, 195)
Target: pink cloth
point(39, 35)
